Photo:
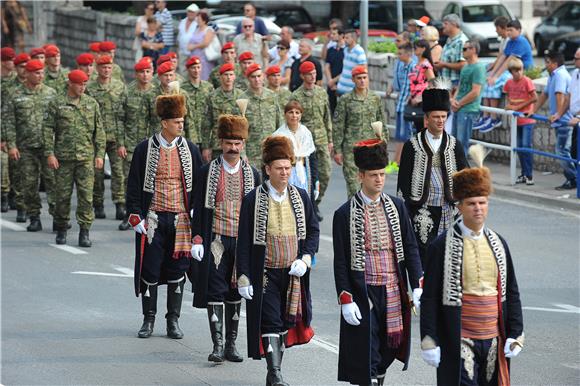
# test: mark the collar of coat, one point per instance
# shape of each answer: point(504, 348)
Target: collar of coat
point(152, 162)
point(261, 208)
point(213, 177)
point(453, 262)
point(357, 230)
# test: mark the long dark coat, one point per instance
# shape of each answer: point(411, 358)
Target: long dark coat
point(349, 275)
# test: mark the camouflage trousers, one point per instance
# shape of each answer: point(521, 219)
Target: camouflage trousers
point(117, 179)
point(349, 170)
point(324, 169)
point(13, 176)
point(4, 170)
point(127, 167)
point(32, 166)
point(82, 175)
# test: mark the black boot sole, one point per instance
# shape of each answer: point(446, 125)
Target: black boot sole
point(215, 358)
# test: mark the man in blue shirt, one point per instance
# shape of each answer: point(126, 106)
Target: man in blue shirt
point(165, 20)
point(260, 26)
point(517, 47)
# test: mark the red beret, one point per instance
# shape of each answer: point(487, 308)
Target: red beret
point(95, 47)
point(107, 46)
point(85, 59)
point(228, 46)
point(163, 58)
point(273, 70)
point(51, 51)
point(8, 54)
point(359, 70)
point(21, 58)
point(34, 65)
point(193, 60)
point(227, 67)
point(165, 67)
point(247, 55)
point(105, 59)
point(253, 68)
point(36, 51)
point(307, 67)
point(172, 55)
point(78, 76)
point(143, 64)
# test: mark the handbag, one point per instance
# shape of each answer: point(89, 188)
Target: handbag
point(214, 50)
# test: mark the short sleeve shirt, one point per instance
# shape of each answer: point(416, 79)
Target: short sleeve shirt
point(453, 53)
point(470, 74)
point(520, 48)
point(518, 92)
point(558, 82)
point(352, 58)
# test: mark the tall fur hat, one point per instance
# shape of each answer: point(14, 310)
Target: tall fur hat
point(371, 154)
point(232, 127)
point(436, 98)
point(277, 147)
point(170, 106)
point(473, 182)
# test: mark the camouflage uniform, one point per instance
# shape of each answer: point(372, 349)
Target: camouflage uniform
point(6, 82)
point(23, 122)
point(110, 97)
point(264, 117)
point(117, 74)
point(352, 123)
point(155, 121)
point(196, 107)
point(214, 76)
point(73, 133)
point(318, 120)
point(57, 80)
point(178, 77)
point(219, 102)
point(284, 95)
point(9, 87)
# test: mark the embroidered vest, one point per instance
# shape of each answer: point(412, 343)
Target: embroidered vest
point(281, 238)
point(228, 201)
point(380, 263)
point(168, 195)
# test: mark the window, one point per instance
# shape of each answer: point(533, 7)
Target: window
point(483, 13)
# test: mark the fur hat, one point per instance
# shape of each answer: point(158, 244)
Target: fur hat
point(371, 154)
point(232, 127)
point(473, 182)
point(436, 98)
point(170, 106)
point(275, 148)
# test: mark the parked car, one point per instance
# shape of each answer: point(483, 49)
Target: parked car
point(383, 15)
point(477, 20)
point(567, 44)
point(565, 19)
point(283, 14)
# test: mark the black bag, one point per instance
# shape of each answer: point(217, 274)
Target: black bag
point(413, 113)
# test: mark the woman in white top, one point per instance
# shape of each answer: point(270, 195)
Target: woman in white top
point(141, 26)
point(200, 39)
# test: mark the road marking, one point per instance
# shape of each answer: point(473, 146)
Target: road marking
point(326, 238)
point(530, 205)
point(69, 249)
point(12, 226)
point(565, 308)
point(125, 272)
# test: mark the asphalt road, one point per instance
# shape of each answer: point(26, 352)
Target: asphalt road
point(70, 317)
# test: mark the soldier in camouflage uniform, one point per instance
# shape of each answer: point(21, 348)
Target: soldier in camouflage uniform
point(22, 123)
point(55, 75)
point(263, 114)
point(7, 75)
point(85, 63)
point(173, 59)
point(317, 118)
point(107, 48)
point(74, 144)
point(136, 116)
point(221, 101)
point(109, 93)
point(38, 53)
point(228, 56)
point(355, 111)
point(198, 91)
point(246, 59)
point(274, 77)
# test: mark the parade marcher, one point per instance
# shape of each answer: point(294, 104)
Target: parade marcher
point(263, 113)
point(8, 74)
point(197, 91)
point(170, 57)
point(159, 199)
point(273, 256)
point(56, 75)
point(135, 119)
point(228, 56)
point(222, 185)
point(86, 63)
point(274, 77)
point(108, 48)
point(428, 162)
point(352, 120)
point(74, 144)
point(318, 120)
point(471, 316)
point(95, 49)
point(246, 59)
point(221, 101)
point(375, 254)
point(22, 123)
point(38, 53)
point(109, 93)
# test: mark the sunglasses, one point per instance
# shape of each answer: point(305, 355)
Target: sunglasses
point(248, 26)
point(281, 48)
point(467, 48)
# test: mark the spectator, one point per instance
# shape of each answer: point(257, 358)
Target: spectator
point(253, 42)
point(14, 25)
point(152, 41)
point(467, 99)
point(305, 50)
point(354, 55)
point(284, 61)
point(575, 103)
point(200, 39)
point(333, 24)
point(557, 92)
point(141, 26)
point(452, 60)
point(521, 96)
point(431, 34)
point(414, 27)
point(333, 65)
point(260, 26)
point(185, 30)
point(286, 35)
point(419, 78)
point(517, 46)
point(165, 20)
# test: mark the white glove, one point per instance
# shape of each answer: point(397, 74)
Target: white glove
point(508, 352)
point(432, 356)
point(351, 313)
point(298, 268)
point(316, 190)
point(197, 251)
point(246, 292)
point(417, 292)
point(140, 228)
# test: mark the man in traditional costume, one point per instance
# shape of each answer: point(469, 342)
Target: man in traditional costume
point(218, 199)
point(375, 254)
point(159, 199)
point(428, 161)
point(275, 247)
point(471, 319)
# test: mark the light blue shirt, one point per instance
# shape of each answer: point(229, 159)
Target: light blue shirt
point(352, 58)
point(558, 82)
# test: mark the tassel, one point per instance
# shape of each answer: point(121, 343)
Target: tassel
point(283, 347)
point(147, 294)
point(270, 348)
point(178, 289)
point(214, 317)
point(235, 317)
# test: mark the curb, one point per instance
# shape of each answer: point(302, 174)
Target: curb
point(538, 198)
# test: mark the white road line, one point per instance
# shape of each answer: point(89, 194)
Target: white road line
point(69, 249)
point(126, 271)
point(100, 274)
point(12, 226)
point(531, 205)
point(564, 308)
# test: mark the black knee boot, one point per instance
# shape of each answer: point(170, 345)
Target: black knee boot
point(215, 315)
point(149, 304)
point(273, 348)
point(232, 322)
point(174, 298)
point(4, 203)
